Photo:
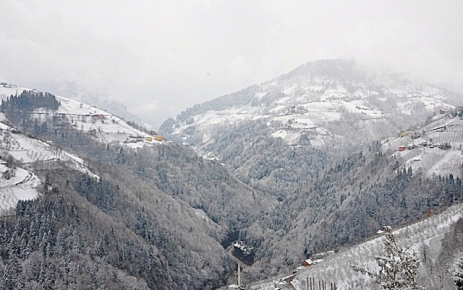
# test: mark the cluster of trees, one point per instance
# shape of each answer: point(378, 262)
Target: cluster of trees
point(61, 242)
point(17, 108)
point(124, 231)
point(28, 101)
point(160, 194)
point(398, 267)
point(262, 161)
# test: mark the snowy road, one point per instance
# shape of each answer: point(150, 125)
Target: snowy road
point(22, 186)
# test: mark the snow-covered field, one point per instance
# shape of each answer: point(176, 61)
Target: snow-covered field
point(10, 90)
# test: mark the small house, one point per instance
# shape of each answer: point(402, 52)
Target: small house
point(402, 148)
point(158, 138)
point(307, 263)
point(429, 212)
point(415, 135)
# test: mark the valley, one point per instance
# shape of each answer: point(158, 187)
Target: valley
point(314, 161)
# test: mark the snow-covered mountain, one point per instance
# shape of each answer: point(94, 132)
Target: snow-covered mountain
point(402, 169)
point(394, 181)
point(299, 106)
point(333, 107)
point(19, 182)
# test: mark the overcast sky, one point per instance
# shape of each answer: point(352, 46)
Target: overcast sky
point(160, 57)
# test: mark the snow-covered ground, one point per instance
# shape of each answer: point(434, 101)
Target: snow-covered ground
point(306, 105)
point(426, 153)
point(100, 123)
point(336, 268)
point(20, 184)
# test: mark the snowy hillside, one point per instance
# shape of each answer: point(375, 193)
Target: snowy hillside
point(435, 148)
point(393, 182)
point(310, 119)
point(21, 186)
point(18, 182)
point(426, 239)
point(104, 126)
point(300, 105)
point(10, 90)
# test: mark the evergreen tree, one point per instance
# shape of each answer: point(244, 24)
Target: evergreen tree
point(458, 274)
point(398, 267)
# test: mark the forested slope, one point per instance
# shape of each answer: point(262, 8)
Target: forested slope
point(347, 204)
point(63, 241)
point(159, 213)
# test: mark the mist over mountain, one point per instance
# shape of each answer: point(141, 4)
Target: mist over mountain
point(301, 122)
point(109, 103)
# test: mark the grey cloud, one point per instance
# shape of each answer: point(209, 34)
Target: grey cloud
point(169, 55)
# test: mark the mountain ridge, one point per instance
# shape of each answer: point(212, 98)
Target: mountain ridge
point(327, 107)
